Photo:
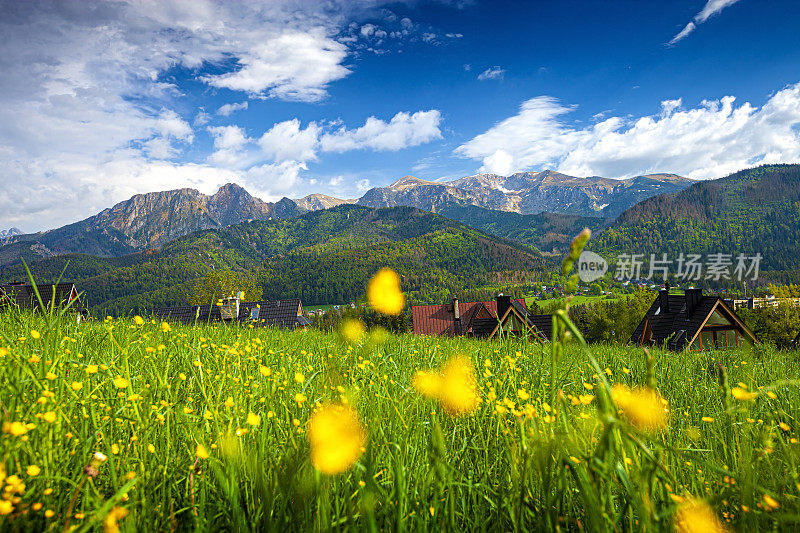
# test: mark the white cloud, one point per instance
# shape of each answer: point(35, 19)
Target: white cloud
point(292, 66)
point(275, 177)
point(491, 73)
point(363, 185)
point(711, 8)
point(228, 109)
point(708, 141)
point(287, 141)
point(402, 131)
point(229, 142)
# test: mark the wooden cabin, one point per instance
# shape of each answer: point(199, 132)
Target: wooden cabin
point(494, 318)
point(691, 321)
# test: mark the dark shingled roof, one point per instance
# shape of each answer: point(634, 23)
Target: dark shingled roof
point(284, 314)
point(24, 296)
point(677, 327)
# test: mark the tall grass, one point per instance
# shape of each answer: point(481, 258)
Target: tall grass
point(534, 455)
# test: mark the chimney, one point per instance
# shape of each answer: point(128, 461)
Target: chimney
point(663, 297)
point(693, 299)
point(503, 303)
point(456, 318)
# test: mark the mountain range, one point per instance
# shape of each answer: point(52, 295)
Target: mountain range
point(151, 220)
point(527, 193)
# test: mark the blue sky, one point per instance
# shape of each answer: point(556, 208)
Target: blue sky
point(103, 100)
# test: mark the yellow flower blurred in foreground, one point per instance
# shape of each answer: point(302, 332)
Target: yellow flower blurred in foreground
point(138, 320)
point(165, 327)
point(743, 395)
point(253, 419)
point(695, 516)
point(201, 452)
point(643, 407)
point(111, 521)
point(337, 437)
point(353, 330)
point(454, 386)
point(384, 294)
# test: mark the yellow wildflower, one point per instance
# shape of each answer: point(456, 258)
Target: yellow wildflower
point(695, 516)
point(6, 507)
point(15, 428)
point(165, 327)
point(120, 382)
point(707, 419)
point(299, 377)
point(229, 402)
point(771, 502)
point(138, 320)
point(352, 330)
point(91, 369)
point(33, 470)
point(50, 417)
point(741, 394)
point(201, 452)
point(643, 407)
point(35, 334)
point(77, 385)
point(784, 426)
point(384, 294)
point(111, 521)
point(253, 419)
point(265, 371)
point(337, 438)
point(454, 386)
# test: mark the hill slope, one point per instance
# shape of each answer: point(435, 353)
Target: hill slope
point(324, 256)
point(751, 211)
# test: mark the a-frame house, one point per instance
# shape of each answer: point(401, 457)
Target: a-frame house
point(691, 321)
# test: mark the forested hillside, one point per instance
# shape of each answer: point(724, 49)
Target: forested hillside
point(325, 256)
point(548, 232)
point(752, 211)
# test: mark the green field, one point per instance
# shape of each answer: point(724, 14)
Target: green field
point(578, 299)
point(544, 450)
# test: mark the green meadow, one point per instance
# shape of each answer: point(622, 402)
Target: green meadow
point(205, 428)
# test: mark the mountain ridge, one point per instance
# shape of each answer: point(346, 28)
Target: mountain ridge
point(153, 219)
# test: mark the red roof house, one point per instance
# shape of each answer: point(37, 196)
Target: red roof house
point(479, 319)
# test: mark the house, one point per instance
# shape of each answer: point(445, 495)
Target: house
point(23, 296)
point(284, 314)
point(480, 319)
point(691, 321)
